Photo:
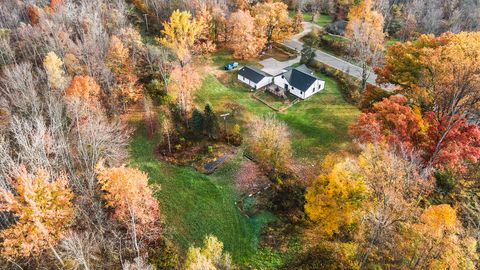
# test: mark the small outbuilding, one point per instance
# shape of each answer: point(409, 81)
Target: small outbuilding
point(254, 77)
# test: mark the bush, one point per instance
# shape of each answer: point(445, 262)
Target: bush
point(156, 91)
point(446, 180)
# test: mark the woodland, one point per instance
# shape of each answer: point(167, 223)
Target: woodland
point(125, 144)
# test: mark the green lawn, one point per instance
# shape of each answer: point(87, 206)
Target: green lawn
point(194, 205)
point(321, 20)
point(319, 124)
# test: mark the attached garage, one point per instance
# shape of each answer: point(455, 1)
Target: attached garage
point(254, 77)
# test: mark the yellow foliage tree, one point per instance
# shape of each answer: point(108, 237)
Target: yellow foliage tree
point(269, 142)
point(179, 34)
point(53, 67)
point(334, 199)
point(365, 31)
point(439, 241)
point(210, 256)
point(43, 209)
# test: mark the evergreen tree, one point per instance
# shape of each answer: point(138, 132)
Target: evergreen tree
point(211, 121)
point(197, 122)
point(307, 54)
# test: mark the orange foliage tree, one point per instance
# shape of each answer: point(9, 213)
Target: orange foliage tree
point(127, 192)
point(183, 81)
point(126, 88)
point(83, 87)
point(243, 40)
point(272, 21)
point(43, 209)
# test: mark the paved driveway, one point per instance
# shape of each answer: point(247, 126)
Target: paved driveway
point(275, 67)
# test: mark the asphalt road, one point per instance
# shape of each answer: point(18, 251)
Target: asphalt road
point(330, 60)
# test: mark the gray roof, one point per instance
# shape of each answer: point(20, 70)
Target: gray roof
point(300, 77)
point(253, 74)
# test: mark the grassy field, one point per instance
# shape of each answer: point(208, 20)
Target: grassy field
point(319, 124)
point(194, 205)
point(321, 19)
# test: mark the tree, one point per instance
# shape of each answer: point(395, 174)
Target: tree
point(334, 199)
point(437, 241)
point(127, 192)
point(180, 33)
point(55, 73)
point(272, 21)
point(269, 143)
point(211, 121)
point(210, 256)
point(365, 31)
point(43, 209)
point(197, 121)
point(243, 40)
point(307, 54)
point(205, 42)
point(184, 79)
point(391, 120)
point(167, 127)
point(397, 185)
point(118, 60)
point(83, 87)
point(297, 25)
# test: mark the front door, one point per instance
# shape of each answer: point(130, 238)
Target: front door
point(286, 87)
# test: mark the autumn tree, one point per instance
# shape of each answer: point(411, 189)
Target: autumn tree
point(438, 241)
point(272, 21)
point(127, 88)
point(206, 40)
point(243, 39)
point(391, 120)
point(53, 66)
point(335, 199)
point(396, 186)
point(297, 25)
point(269, 142)
point(440, 72)
point(210, 256)
point(179, 34)
point(83, 87)
point(184, 80)
point(127, 192)
point(365, 31)
point(43, 209)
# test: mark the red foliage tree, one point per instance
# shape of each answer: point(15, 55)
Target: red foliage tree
point(390, 120)
point(460, 146)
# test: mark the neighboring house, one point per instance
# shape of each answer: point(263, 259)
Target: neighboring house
point(299, 81)
point(254, 77)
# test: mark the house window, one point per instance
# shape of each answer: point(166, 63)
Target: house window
point(301, 92)
point(283, 77)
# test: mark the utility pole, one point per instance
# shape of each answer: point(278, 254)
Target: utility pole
point(224, 116)
point(146, 20)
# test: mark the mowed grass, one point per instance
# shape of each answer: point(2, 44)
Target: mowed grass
point(320, 20)
point(319, 125)
point(194, 205)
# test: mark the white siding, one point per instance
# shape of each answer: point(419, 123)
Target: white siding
point(318, 86)
point(258, 85)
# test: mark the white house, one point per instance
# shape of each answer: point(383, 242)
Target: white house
point(299, 81)
point(255, 78)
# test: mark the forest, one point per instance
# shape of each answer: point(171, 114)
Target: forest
point(128, 141)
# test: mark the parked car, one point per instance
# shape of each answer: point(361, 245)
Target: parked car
point(231, 66)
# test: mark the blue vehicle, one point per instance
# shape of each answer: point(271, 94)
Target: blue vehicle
point(231, 66)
